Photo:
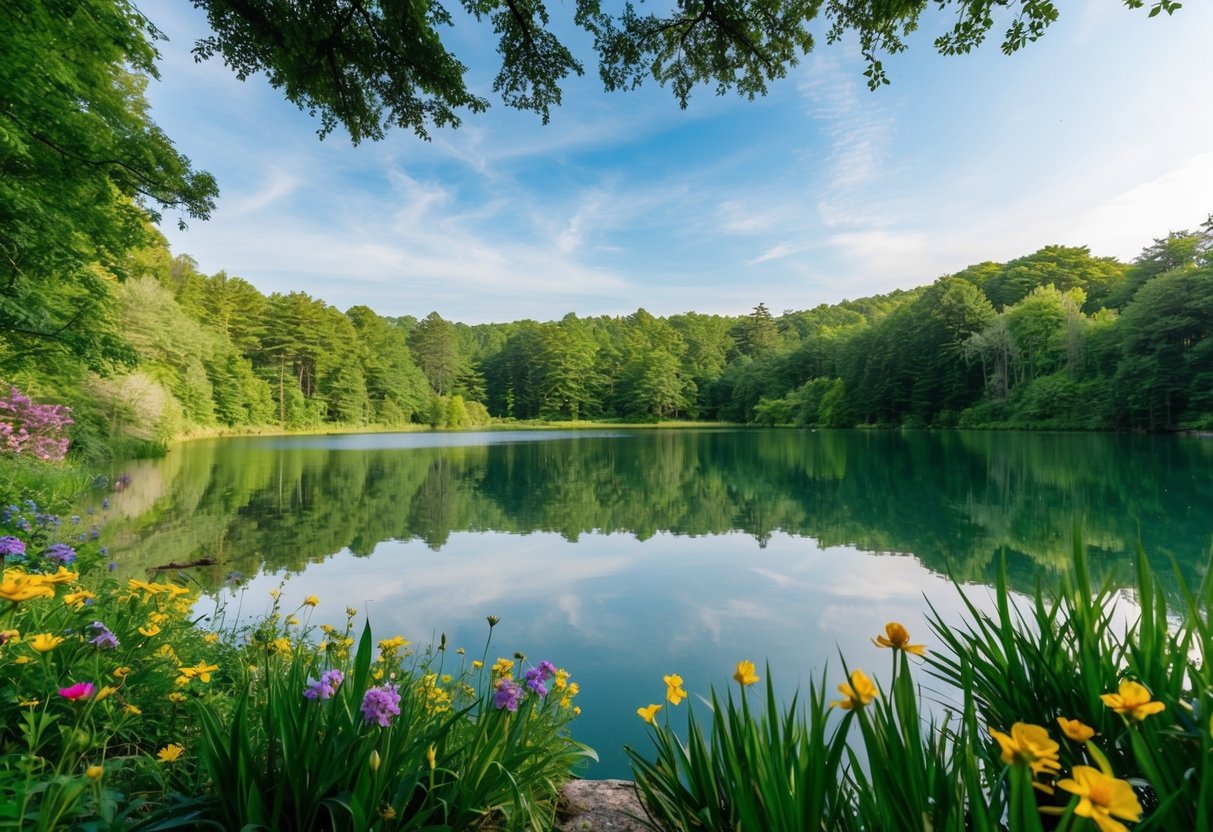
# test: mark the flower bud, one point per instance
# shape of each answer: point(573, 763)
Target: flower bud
point(374, 761)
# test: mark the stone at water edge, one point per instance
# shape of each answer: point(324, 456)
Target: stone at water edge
point(600, 806)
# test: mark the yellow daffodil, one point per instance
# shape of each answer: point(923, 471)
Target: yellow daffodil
point(860, 691)
point(16, 586)
point(673, 688)
point(45, 642)
point(78, 599)
point(170, 753)
point(1133, 700)
point(311, 601)
point(745, 675)
point(1101, 797)
point(431, 756)
point(648, 713)
point(1029, 745)
point(150, 630)
point(897, 638)
point(94, 772)
point(1075, 730)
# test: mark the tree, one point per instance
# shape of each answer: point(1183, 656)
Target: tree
point(372, 64)
point(435, 348)
point(82, 168)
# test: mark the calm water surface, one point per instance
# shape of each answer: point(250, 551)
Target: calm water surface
point(626, 555)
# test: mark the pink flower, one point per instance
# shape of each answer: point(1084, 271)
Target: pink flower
point(80, 690)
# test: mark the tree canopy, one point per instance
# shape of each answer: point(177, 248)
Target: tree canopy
point(372, 64)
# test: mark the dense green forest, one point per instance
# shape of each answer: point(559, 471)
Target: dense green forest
point(1055, 339)
point(97, 313)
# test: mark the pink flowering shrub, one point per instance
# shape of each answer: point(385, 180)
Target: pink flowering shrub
point(35, 429)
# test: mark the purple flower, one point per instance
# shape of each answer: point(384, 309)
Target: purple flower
point(12, 545)
point(60, 553)
point(330, 680)
point(380, 704)
point(111, 566)
point(547, 669)
point(535, 680)
point(508, 695)
point(105, 639)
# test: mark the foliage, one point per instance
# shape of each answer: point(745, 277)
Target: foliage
point(119, 711)
point(371, 64)
point(1060, 714)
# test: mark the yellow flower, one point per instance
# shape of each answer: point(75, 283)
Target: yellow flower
point(387, 813)
point(281, 645)
point(1075, 730)
point(45, 642)
point(373, 760)
point(648, 713)
point(177, 697)
point(105, 691)
point(144, 586)
point(446, 678)
point(29, 703)
point(577, 711)
point(562, 678)
point(77, 599)
point(351, 612)
point(430, 756)
point(673, 688)
point(132, 710)
point(1029, 745)
point(1101, 797)
point(211, 638)
point(503, 667)
point(311, 601)
point(477, 664)
point(860, 691)
point(1133, 701)
point(896, 637)
point(389, 646)
point(10, 637)
point(745, 675)
point(292, 621)
point(62, 576)
point(378, 674)
point(121, 672)
point(22, 660)
point(16, 586)
point(150, 630)
point(94, 772)
point(170, 753)
point(274, 594)
point(458, 650)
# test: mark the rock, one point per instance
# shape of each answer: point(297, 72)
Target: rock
point(600, 806)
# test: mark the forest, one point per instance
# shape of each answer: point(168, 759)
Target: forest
point(1058, 339)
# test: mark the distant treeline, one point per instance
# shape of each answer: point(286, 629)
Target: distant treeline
point(1056, 339)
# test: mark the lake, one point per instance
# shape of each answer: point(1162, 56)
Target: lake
point(624, 555)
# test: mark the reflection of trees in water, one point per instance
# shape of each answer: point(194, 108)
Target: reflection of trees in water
point(951, 499)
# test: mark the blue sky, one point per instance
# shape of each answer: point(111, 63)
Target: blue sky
point(1100, 134)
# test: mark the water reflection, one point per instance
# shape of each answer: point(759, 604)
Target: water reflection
point(631, 555)
point(951, 499)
